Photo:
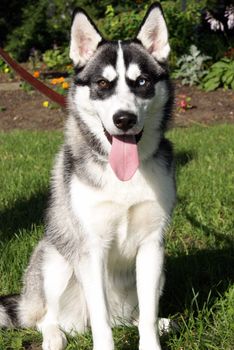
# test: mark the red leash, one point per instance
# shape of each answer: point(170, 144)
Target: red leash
point(53, 95)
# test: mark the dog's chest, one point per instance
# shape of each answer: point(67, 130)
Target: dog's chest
point(120, 214)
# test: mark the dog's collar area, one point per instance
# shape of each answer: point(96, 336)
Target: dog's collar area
point(124, 136)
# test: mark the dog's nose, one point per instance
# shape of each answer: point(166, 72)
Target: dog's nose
point(124, 120)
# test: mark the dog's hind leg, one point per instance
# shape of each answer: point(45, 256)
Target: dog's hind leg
point(56, 275)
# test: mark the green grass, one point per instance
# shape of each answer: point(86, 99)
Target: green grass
point(199, 292)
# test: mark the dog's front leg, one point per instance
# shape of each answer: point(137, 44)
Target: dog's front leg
point(92, 274)
point(149, 264)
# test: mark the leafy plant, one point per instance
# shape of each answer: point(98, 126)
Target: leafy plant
point(220, 74)
point(4, 68)
point(56, 58)
point(183, 24)
point(35, 59)
point(26, 87)
point(218, 25)
point(117, 25)
point(2, 63)
point(191, 67)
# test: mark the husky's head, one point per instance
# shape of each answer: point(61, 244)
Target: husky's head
point(121, 90)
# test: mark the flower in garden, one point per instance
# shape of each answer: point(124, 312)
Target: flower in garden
point(229, 14)
point(45, 104)
point(183, 103)
point(36, 74)
point(56, 81)
point(213, 22)
point(60, 80)
point(65, 85)
point(6, 70)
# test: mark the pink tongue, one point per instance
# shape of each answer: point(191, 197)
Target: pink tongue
point(123, 157)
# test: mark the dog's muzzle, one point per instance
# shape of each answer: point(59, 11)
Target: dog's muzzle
point(124, 120)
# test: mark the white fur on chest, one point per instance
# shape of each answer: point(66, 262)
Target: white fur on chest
point(123, 213)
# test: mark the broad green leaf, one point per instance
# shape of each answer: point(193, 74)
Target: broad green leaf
point(220, 64)
point(212, 84)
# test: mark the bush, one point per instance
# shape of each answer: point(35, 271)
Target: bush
point(191, 67)
point(215, 35)
point(182, 26)
point(34, 31)
point(56, 59)
point(45, 24)
point(120, 25)
point(221, 74)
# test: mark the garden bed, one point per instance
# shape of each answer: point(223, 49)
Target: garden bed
point(24, 110)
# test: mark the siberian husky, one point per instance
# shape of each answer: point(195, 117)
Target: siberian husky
point(100, 262)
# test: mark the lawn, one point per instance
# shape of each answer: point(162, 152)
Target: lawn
point(199, 292)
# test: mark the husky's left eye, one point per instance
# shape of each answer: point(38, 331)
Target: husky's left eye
point(142, 82)
point(103, 84)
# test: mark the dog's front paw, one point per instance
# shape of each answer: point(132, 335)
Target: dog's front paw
point(104, 347)
point(150, 347)
point(53, 339)
point(149, 343)
point(104, 344)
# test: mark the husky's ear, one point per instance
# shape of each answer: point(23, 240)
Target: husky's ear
point(84, 38)
point(153, 33)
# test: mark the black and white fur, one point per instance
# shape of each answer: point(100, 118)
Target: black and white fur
point(100, 262)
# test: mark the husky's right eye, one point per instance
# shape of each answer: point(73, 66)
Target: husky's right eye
point(103, 84)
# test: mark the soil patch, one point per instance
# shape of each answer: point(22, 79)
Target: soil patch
point(207, 107)
point(24, 110)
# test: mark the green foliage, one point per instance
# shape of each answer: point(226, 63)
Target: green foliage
point(10, 17)
point(35, 59)
point(182, 25)
point(47, 23)
point(120, 25)
point(221, 74)
point(213, 43)
point(33, 31)
point(191, 67)
point(215, 32)
point(56, 58)
point(3, 66)
point(208, 328)
point(44, 24)
point(26, 87)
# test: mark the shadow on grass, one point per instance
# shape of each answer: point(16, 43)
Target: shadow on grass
point(23, 215)
point(203, 272)
point(183, 158)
